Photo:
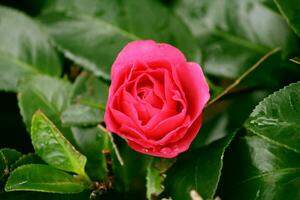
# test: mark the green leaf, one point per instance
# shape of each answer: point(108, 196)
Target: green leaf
point(24, 49)
point(30, 158)
point(53, 148)
point(3, 168)
point(107, 28)
point(10, 155)
point(258, 169)
point(234, 34)
point(130, 177)
point(80, 115)
point(92, 142)
point(156, 175)
point(290, 10)
point(198, 170)
point(42, 178)
point(7, 157)
point(43, 196)
point(45, 93)
point(88, 97)
point(88, 88)
point(221, 120)
point(270, 4)
point(276, 118)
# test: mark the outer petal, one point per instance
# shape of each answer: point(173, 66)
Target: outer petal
point(146, 51)
point(195, 87)
point(173, 149)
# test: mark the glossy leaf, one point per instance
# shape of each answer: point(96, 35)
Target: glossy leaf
point(143, 19)
point(290, 10)
point(45, 93)
point(42, 178)
point(24, 49)
point(276, 118)
point(198, 170)
point(53, 148)
point(81, 115)
point(258, 169)
point(226, 29)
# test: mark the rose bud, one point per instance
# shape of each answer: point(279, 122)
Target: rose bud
point(156, 98)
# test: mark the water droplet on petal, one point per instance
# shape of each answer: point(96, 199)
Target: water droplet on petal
point(166, 150)
point(146, 150)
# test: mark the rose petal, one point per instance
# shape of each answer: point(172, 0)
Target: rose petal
point(172, 149)
point(195, 87)
point(146, 51)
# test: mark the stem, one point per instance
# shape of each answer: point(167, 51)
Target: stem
point(119, 157)
point(244, 75)
point(295, 60)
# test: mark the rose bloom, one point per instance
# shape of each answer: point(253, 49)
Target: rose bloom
point(156, 98)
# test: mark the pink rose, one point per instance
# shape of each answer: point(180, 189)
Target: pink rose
point(156, 98)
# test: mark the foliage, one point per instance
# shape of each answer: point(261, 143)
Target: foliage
point(55, 60)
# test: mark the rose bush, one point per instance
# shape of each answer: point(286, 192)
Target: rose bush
point(156, 98)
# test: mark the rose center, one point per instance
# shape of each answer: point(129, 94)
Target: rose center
point(143, 92)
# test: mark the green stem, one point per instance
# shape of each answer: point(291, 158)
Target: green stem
point(119, 157)
point(244, 75)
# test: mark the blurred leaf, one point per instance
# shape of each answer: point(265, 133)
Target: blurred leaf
point(258, 169)
point(88, 97)
point(89, 88)
point(235, 34)
point(42, 178)
point(3, 166)
point(290, 10)
point(105, 29)
point(276, 118)
point(7, 157)
point(30, 158)
point(53, 148)
point(270, 4)
point(80, 115)
point(156, 175)
point(198, 170)
point(92, 142)
point(24, 49)
point(10, 155)
point(45, 93)
point(130, 177)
